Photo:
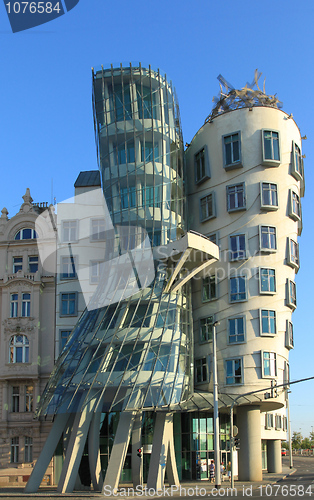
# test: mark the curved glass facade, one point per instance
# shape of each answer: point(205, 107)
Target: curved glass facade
point(136, 351)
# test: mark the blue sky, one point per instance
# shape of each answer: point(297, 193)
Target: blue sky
point(47, 134)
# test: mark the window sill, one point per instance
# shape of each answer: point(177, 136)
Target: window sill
point(293, 265)
point(269, 207)
point(292, 306)
point(297, 175)
point(267, 293)
point(294, 216)
point(268, 334)
point(208, 218)
point(268, 250)
point(271, 163)
point(238, 209)
point(203, 179)
point(232, 166)
point(238, 300)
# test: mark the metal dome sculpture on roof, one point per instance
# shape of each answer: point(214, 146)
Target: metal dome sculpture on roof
point(247, 97)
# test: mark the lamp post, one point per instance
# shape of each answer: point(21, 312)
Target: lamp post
point(216, 416)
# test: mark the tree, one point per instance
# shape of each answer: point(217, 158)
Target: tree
point(312, 438)
point(296, 440)
point(305, 444)
point(285, 444)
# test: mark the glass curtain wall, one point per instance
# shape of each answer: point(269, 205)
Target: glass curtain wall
point(136, 351)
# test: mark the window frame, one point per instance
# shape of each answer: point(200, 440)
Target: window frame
point(206, 175)
point(28, 449)
point(73, 263)
point(233, 360)
point(292, 214)
point(212, 278)
point(291, 302)
point(289, 335)
point(35, 262)
point(213, 204)
point(243, 317)
point(70, 238)
point(269, 277)
point(208, 326)
point(15, 398)
point(274, 360)
point(263, 248)
point(295, 264)
point(269, 333)
point(265, 206)
point(238, 251)
point(205, 365)
point(17, 264)
point(61, 314)
point(62, 339)
point(14, 450)
point(14, 305)
point(296, 172)
point(94, 278)
point(269, 420)
point(233, 164)
point(237, 208)
point(100, 234)
point(238, 289)
point(271, 162)
point(34, 235)
point(26, 305)
point(28, 398)
point(24, 345)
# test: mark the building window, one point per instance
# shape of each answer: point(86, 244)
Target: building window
point(238, 289)
point(269, 196)
point(33, 264)
point(236, 330)
point(17, 264)
point(19, 349)
point(152, 196)
point(64, 335)
point(15, 407)
point(98, 230)
point(122, 102)
point(269, 420)
point(201, 370)
point(209, 288)
point(268, 322)
point(234, 371)
point(126, 153)
point(206, 329)
point(292, 294)
point(278, 422)
point(237, 247)
point(28, 449)
point(68, 267)
point(69, 231)
point(236, 197)
point(14, 450)
point(267, 280)
point(26, 234)
point(214, 238)
point(68, 304)
point(26, 305)
point(284, 424)
point(232, 150)
point(295, 206)
point(201, 166)
point(14, 301)
point(293, 254)
point(29, 390)
point(150, 152)
point(207, 207)
point(269, 364)
point(128, 197)
point(271, 150)
point(268, 240)
point(146, 102)
point(95, 270)
point(296, 165)
point(289, 335)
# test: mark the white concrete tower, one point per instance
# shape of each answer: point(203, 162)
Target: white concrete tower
point(245, 180)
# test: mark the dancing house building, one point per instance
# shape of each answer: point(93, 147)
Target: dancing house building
point(131, 395)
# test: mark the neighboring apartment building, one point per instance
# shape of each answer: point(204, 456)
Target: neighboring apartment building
point(27, 319)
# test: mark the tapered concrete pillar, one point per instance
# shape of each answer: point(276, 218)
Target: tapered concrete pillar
point(137, 462)
point(75, 448)
point(274, 463)
point(47, 453)
point(163, 455)
point(94, 452)
point(119, 450)
point(250, 453)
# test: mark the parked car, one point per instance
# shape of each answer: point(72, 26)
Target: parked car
point(283, 452)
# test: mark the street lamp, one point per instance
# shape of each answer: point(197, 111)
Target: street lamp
point(216, 416)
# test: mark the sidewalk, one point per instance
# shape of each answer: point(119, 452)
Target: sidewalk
point(185, 489)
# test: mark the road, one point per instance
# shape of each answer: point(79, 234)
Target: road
point(298, 485)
